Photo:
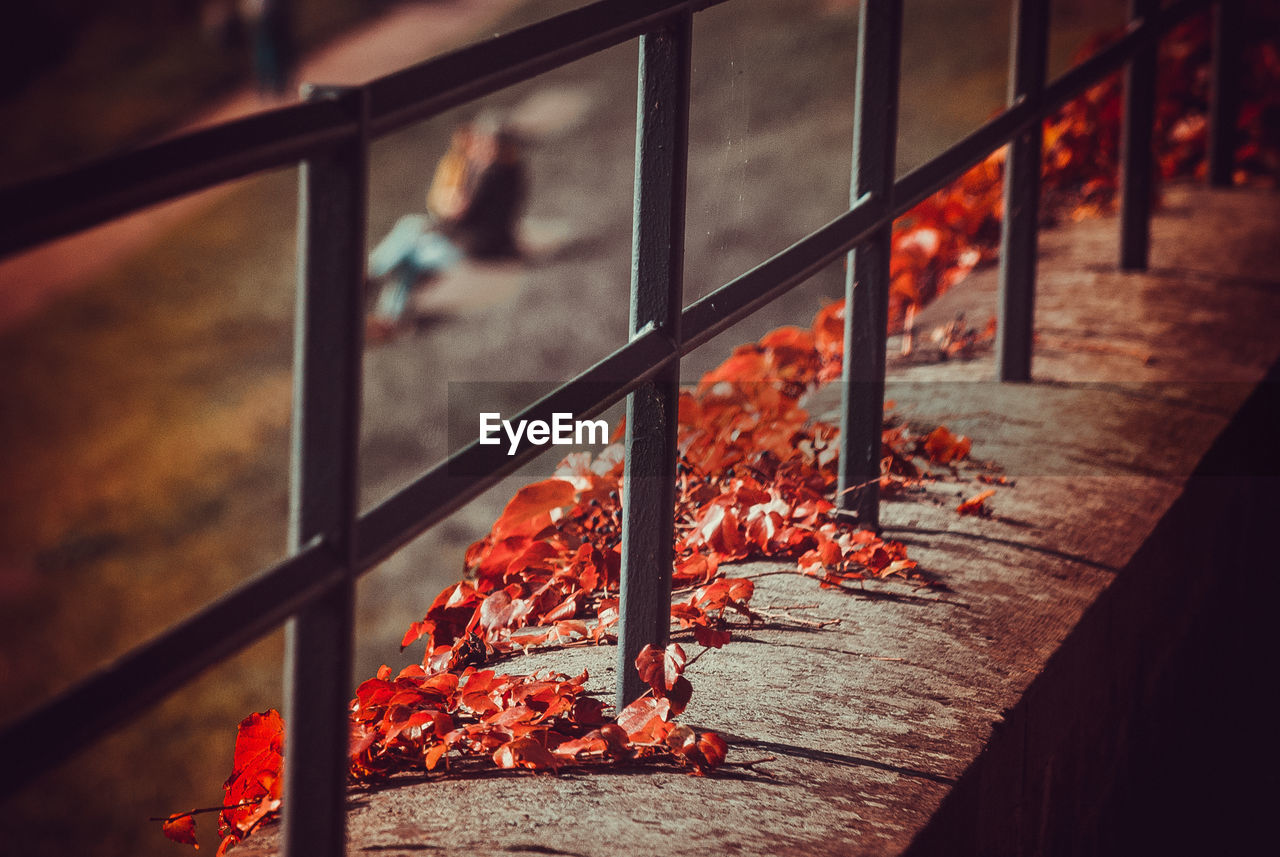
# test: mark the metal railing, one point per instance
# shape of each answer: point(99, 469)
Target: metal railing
point(330, 132)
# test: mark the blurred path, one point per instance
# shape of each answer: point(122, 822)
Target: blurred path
point(404, 35)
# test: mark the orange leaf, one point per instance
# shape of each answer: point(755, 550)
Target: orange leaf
point(712, 638)
point(661, 669)
point(713, 748)
point(525, 753)
point(977, 504)
point(434, 755)
point(944, 447)
point(182, 829)
point(530, 510)
point(644, 718)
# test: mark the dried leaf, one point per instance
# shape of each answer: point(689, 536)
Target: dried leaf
point(713, 748)
point(181, 829)
point(660, 668)
point(977, 504)
point(643, 719)
point(712, 638)
point(525, 753)
point(529, 511)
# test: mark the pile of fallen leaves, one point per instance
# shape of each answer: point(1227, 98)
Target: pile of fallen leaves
point(939, 241)
point(756, 478)
point(424, 721)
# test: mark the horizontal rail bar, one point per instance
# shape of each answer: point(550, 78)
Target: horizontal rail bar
point(1110, 59)
point(1088, 73)
point(938, 172)
point(737, 299)
point(451, 484)
point(43, 209)
point(115, 694)
point(437, 84)
point(46, 208)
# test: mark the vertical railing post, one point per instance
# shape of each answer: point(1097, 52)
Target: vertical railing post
point(1020, 227)
point(875, 137)
point(326, 425)
point(1137, 167)
point(657, 278)
point(1224, 103)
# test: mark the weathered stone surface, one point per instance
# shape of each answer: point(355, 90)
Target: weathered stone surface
point(1004, 712)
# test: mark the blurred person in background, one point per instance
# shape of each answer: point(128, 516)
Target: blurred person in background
point(474, 204)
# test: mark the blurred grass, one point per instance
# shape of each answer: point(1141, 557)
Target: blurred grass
point(129, 77)
point(145, 472)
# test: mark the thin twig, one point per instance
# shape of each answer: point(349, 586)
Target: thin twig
point(203, 810)
point(750, 765)
point(818, 624)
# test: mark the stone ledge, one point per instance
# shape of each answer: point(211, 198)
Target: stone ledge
point(1017, 711)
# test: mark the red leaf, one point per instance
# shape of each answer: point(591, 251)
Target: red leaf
point(644, 718)
point(616, 737)
point(525, 753)
point(607, 614)
point(713, 748)
point(712, 638)
point(679, 694)
point(977, 504)
point(255, 779)
point(944, 447)
point(433, 756)
point(530, 510)
point(661, 669)
point(698, 568)
point(259, 737)
point(501, 609)
point(587, 711)
point(182, 829)
point(586, 744)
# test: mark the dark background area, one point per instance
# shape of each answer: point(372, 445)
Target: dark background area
point(81, 78)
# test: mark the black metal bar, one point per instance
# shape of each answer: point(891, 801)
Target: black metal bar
point(726, 306)
point(1137, 166)
point(1224, 100)
point(1020, 227)
point(47, 208)
point(451, 484)
point(1080, 77)
point(326, 432)
point(935, 174)
point(115, 694)
point(875, 137)
point(430, 87)
point(657, 278)
point(43, 209)
point(1177, 11)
